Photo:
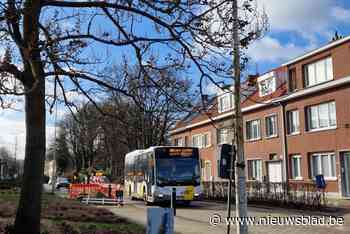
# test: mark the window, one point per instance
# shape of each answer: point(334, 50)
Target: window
point(178, 142)
point(271, 126)
point(321, 116)
point(323, 164)
point(318, 72)
point(206, 140)
point(225, 102)
point(267, 86)
point(255, 170)
point(253, 129)
point(292, 81)
point(223, 136)
point(197, 141)
point(186, 141)
point(201, 140)
point(293, 122)
point(296, 167)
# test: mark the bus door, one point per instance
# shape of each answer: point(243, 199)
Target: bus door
point(150, 173)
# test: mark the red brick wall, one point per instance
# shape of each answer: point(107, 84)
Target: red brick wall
point(305, 143)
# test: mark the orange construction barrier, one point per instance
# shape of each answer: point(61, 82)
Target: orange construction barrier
point(83, 190)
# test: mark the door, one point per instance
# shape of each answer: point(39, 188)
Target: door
point(275, 172)
point(207, 170)
point(345, 169)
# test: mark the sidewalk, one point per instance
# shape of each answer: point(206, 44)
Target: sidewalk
point(339, 203)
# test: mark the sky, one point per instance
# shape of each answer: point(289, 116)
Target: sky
point(296, 26)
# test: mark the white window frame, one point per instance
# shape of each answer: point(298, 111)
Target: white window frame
point(225, 133)
point(254, 163)
point(327, 72)
point(299, 159)
point(329, 114)
point(199, 140)
point(319, 165)
point(229, 102)
point(259, 130)
point(179, 141)
point(293, 120)
point(275, 126)
point(208, 140)
point(271, 81)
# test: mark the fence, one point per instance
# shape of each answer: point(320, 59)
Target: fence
point(298, 195)
point(92, 190)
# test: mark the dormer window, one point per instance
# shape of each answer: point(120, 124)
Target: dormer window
point(267, 84)
point(225, 102)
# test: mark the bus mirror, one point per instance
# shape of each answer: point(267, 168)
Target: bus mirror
point(225, 154)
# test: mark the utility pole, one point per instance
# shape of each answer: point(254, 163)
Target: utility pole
point(54, 164)
point(241, 199)
point(16, 145)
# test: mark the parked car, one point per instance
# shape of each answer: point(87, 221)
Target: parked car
point(62, 182)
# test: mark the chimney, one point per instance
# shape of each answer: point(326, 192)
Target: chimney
point(252, 79)
point(205, 100)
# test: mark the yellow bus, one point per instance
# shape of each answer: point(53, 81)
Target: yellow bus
point(151, 174)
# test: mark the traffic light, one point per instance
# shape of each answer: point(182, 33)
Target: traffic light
point(225, 154)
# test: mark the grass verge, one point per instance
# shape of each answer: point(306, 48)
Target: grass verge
point(63, 216)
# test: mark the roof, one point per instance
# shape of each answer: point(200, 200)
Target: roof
point(274, 101)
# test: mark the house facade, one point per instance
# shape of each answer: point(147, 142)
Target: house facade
point(296, 122)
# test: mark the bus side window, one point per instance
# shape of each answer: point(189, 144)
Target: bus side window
point(132, 165)
point(144, 166)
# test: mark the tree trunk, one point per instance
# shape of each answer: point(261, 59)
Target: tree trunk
point(29, 208)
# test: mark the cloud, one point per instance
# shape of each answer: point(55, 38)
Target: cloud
point(12, 125)
point(298, 15)
point(341, 14)
point(304, 24)
point(210, 89)
point(272, 50)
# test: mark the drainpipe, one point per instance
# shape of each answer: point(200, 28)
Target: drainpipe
point(284, 142)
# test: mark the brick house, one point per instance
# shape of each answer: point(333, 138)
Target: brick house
point(296, 122)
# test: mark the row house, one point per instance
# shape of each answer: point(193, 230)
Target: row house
point(296, 122)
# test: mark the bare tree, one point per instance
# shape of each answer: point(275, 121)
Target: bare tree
point(61, 42)
point(126, 124)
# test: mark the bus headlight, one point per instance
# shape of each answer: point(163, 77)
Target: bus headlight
point(196, 195)
point(160, 195)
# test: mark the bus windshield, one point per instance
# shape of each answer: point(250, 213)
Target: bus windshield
point(177, 168)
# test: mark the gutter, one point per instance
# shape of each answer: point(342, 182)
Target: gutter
point(284, 142)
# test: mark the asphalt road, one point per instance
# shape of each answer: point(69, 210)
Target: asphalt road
point(195, 219)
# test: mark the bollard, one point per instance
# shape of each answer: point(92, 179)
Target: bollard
point(173, 200)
